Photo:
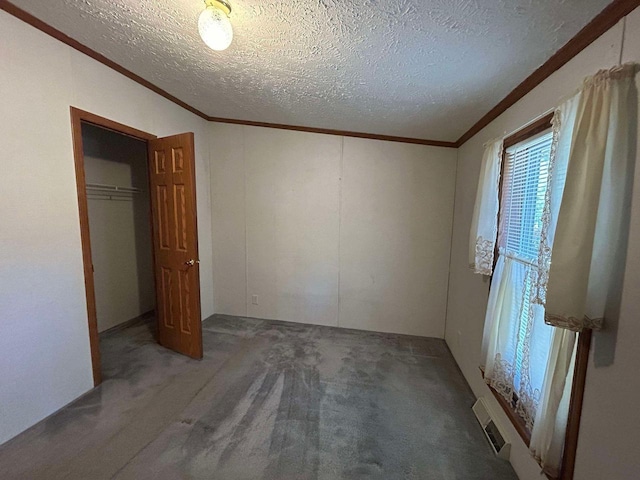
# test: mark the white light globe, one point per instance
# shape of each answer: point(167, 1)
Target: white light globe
point(215, 28)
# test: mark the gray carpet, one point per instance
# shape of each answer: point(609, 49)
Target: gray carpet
point(270, 400)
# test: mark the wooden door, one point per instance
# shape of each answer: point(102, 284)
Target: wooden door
point(175, 241)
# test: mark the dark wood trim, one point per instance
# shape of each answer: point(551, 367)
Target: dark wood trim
point(344, 133)
point(575, 405)
point(517, 421)
point(602, 22)
point(540, 125)
point(582, 352)
point(78, 117)
point(593, 30)
point(525, 132)
point(496, 247)
point(58, 35)
point(93, 119)
point(78, 156)
point(575, 409)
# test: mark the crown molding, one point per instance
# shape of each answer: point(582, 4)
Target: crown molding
point(606, 19)
point(26, 17)
point(344, 133)
point(62, 37)
point(602, 22)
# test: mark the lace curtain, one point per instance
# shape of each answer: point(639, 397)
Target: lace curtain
point(484, 228)
point(516, 337)
point(516, 341)
point(573, 285)
point(587, 213)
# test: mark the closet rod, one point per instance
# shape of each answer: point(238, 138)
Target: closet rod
point(97, 196)
point(111, 188)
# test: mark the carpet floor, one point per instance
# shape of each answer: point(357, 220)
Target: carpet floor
point(270, 400)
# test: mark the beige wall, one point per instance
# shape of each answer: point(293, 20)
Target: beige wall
point(120, 228)
point(610, 419)
point(331, 230)
point(45, 361)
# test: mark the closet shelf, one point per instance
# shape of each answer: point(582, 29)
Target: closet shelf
point(103, 188)
point(122, 198)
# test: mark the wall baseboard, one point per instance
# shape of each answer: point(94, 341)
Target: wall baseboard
point(146, 317)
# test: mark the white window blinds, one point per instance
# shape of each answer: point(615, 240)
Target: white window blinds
point(524, 185)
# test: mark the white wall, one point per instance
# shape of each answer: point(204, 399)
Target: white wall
point(331, 230)
point(120, 227)
point(45, 361)
point(350, 266)
point(610, 419)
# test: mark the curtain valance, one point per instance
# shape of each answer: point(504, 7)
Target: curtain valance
point(582, 252)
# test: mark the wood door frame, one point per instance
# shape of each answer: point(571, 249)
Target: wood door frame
point(78, 117)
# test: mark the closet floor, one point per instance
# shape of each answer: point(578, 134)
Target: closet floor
point(270, 400)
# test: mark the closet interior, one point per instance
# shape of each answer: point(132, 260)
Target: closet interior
point(120, 226)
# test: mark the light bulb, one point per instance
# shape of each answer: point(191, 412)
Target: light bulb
point(215, 28)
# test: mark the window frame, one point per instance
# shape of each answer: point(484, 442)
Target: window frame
point(583, 340)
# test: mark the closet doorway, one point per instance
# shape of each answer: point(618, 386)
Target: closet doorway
point(136, 198)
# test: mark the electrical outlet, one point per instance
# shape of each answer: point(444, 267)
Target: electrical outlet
point(254, 299)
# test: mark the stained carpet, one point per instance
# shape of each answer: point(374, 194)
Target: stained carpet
point(270, 400)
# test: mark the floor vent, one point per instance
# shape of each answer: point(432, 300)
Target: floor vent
point(491, 429)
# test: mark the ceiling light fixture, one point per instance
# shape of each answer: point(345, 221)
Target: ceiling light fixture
point(214, 25)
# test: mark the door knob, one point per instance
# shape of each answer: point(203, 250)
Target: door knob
point(191, 262)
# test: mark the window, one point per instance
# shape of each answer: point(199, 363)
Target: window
point(518, 342)
point(580, 223)
point(516, 348)
point(524, 186)
point(526, 172)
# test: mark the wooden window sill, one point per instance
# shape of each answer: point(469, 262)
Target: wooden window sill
point(516, 420)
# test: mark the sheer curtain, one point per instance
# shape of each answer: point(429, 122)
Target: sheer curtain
point(571, 284)
point(517, 340)
point(586, 213)
point(484, 227)
point(517, 337)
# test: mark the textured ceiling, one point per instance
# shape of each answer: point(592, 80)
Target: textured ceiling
point(413, 68)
